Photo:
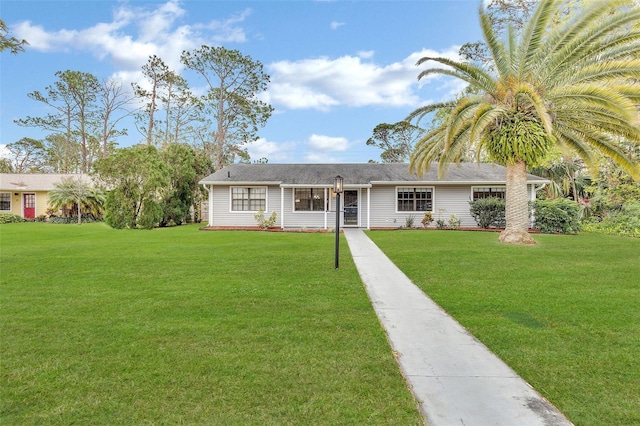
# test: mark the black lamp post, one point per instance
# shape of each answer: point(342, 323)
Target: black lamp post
point(337, 188)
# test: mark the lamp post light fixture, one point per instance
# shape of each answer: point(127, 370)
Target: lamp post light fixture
point(337, 188)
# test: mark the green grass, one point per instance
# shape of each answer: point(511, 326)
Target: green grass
point(565, 313)
point(178, 325)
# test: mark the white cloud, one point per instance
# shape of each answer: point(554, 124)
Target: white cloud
point(321, 158)
point(4, 151)
point(134, 34)
point(328, 143)
point(335, 25)
point(322, 83)
point(273, 151)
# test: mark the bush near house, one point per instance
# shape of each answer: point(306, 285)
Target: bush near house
point(626, 222)
point(10, 218)
point(560, 215)
point(488, 212)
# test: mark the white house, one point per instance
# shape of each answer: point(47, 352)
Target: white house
point(375, 196)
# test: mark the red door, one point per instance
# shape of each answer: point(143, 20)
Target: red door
point(29, 206)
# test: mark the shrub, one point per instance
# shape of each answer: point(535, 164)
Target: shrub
point(427, 219)
point(408, 222)
point(488, 212)
point(10, 218)
point(441, 224)
point(264, 223)
point(66, 220)
point(454, 222)
point(560, 215)
point(624, 223)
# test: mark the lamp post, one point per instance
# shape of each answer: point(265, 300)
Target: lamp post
point(337, 188)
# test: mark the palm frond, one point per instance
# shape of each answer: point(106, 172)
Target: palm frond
point(495, 46)
point(595, 39)
point(466, 72)
point(427, 150)
point(570, 141)
point(561, 36)
point(460, 115)
point(597, 95)
point(526, 92)
point(532, 36)
point(485, 115)
point(599, 71)
point(421, 112)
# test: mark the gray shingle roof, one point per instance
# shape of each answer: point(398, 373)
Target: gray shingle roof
point(356, 174)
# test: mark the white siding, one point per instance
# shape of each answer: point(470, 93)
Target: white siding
point(447, 200)
point(383, 208)
point(450, 200)
point(223, 216)
point(294, 219)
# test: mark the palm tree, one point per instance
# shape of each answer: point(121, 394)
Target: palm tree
point(573, 85)
point(70, 192)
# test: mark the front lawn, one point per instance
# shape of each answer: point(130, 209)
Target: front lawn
point(565, 313)
point(181, 326)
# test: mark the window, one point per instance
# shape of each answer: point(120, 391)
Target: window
point(5, 201)
point(418, 199)
point(248, 199)
point(309, 199)
point(488, 191)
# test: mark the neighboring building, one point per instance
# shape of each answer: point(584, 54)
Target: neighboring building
point(375, 195)
point(27, 195)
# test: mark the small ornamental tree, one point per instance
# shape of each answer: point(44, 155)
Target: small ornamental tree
point(135, 178)
point(77, 193)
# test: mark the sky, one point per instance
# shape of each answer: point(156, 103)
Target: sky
point(337, 68)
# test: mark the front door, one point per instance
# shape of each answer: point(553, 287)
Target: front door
point(351, 208)
point(29, 206)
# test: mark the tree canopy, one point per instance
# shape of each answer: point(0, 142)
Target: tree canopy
point(573, 85)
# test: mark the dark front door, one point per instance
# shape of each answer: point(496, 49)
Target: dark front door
point(350, 208)
point(29, 206)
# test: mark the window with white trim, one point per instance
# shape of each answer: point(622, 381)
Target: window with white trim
point(248, 199)
point(5, 201)
point(309, 199)
point(488, 191)
point(414, 199)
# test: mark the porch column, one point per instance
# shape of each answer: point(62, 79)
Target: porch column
point(369, 208)
point(326, 207)
point(210, 212)
point(281, 207)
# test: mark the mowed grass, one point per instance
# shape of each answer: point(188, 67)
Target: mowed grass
point(181, 326)
point(565, 313)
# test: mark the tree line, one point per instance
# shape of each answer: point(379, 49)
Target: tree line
point(86, 114)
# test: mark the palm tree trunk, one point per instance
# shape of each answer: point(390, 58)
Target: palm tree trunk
point(517, 206)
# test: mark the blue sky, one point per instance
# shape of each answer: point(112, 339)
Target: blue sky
point(338, 68)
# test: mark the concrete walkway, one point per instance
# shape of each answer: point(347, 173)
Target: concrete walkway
point(455, 378)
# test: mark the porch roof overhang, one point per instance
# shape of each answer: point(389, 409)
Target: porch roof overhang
point(448, 182)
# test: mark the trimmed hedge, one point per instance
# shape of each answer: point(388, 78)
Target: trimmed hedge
point(488, 212)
